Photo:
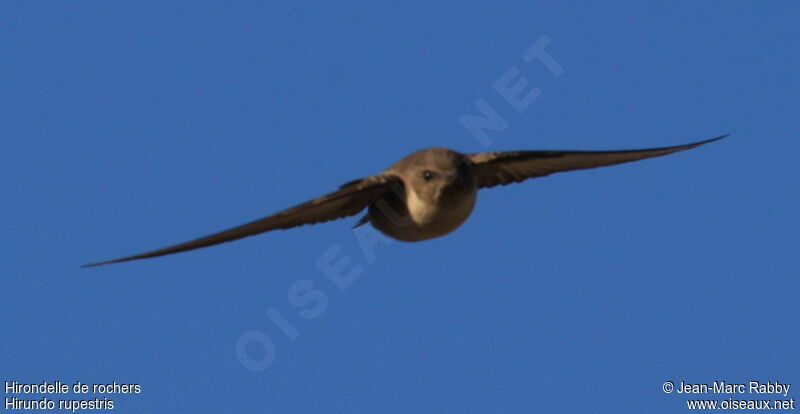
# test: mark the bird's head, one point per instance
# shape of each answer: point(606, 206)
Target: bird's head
point(437, 174)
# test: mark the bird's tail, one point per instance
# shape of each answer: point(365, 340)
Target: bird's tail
point(362, 221)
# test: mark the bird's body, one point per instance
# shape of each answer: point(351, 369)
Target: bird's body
point(426, 208)
point(425, 195)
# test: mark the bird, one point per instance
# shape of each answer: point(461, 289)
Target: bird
point(425, 195)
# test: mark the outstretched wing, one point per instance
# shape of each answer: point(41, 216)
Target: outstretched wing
point(347, 201)
point(501, 168)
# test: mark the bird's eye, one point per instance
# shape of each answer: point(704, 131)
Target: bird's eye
point(427, 175)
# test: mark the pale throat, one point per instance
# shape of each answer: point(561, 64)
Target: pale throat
point(422, 212)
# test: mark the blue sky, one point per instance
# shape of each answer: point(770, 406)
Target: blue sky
point(130, 126)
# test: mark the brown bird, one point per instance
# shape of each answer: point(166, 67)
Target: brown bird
point(427, 194)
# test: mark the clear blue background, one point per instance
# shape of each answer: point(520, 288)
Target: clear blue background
point(130, 126)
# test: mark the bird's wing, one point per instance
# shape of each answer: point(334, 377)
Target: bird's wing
point(501, 168)
point(347, 201)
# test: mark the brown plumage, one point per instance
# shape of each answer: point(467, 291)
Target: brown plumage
point(424, 195)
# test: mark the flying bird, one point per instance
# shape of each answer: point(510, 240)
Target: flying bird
point(425, 195)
